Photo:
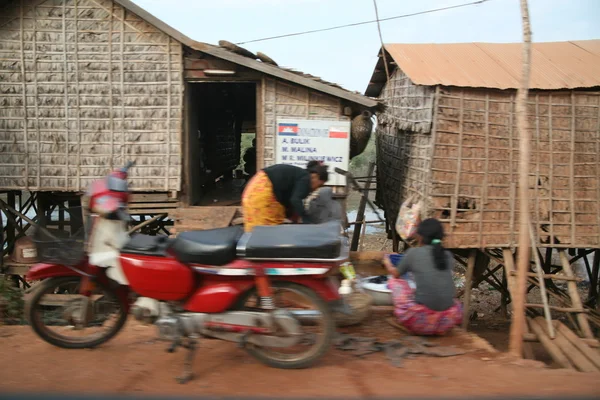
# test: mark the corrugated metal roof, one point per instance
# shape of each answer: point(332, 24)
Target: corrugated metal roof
point(554, 65)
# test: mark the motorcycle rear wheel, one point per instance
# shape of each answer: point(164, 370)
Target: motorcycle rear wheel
point(42, 329)
point(275, 360)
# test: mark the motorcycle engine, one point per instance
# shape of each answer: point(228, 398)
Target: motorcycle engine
point(168, 328)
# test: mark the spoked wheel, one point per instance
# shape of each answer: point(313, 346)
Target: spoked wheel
point(318, 330)
point(55, 312)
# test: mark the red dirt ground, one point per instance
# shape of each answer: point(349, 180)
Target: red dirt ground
point(135, 362)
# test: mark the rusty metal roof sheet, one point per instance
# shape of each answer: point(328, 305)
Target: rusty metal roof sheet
point(554, 65)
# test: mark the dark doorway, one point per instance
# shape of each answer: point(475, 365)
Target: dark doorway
point(221, 114)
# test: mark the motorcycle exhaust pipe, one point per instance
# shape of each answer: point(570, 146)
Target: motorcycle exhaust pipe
point(307, 316)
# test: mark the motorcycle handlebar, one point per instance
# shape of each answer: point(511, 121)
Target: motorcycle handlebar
point(123, 215)
point(128, 166)
point(340, 171)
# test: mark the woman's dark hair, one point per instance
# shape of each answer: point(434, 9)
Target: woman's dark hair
point(317, 167)
point(432, 232)
point(312, 164)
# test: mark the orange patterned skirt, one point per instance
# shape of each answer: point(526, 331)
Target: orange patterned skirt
point(259, 204)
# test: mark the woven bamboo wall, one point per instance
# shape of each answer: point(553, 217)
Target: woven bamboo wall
point(475, 167)
point(284, 100)
point(409, 106)
point(403, 162)
point(86, 85)
point(403, 143)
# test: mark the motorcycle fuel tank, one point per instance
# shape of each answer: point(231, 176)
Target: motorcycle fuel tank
point(161, 278)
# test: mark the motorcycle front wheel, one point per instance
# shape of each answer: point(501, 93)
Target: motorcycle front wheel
point(318, 333)
point(55, 312)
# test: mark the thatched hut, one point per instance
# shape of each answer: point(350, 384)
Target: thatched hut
point(87, 84)
point(449, 138)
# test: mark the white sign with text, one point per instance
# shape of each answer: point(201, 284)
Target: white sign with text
point(301, 140)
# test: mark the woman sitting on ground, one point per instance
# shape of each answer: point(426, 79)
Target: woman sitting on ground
point(278, 191)
point(431, 308)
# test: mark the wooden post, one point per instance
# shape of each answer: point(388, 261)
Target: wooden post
point(360, 214)
point(468, 284)
point(504, 297)
point(518, 298)
point(593, 293)
point(75, 215)
point(11, 231)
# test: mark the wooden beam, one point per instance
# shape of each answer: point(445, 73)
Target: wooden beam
point(592, 355)
point(551, 347)
point(580, 361)
point(560, 309)
point(553, 276)
point(283, 74)
point(367, 255)
point(201, 64)
point(147, 222)
point(592, 343)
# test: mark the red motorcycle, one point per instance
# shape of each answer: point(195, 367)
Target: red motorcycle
point(271, 291)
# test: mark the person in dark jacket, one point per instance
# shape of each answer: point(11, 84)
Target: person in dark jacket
point(278, 191)
point(250, 160)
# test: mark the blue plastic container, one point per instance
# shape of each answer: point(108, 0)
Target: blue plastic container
point(395, 258)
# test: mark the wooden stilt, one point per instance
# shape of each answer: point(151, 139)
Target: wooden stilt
point(468, 284)
point(504, 297)
point(509, 265)
point(76, 215)
point(360, 214)
point(575, 299)
point(11, 230)
point(362, 235)
point(593, 293)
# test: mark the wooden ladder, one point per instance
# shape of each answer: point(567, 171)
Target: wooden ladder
point(565, 347)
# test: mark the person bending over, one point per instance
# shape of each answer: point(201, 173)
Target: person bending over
point(278, 191)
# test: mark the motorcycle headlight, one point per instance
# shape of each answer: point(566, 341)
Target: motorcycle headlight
point(106, 205)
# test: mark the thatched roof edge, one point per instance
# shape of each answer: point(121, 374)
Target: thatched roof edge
point(275, 71)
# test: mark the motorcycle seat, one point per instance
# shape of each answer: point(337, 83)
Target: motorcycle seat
point(146, 245)
point(208, 247)
point(306, 242)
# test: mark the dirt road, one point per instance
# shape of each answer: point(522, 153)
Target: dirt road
point(135, 362)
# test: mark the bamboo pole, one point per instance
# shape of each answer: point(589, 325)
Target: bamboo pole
point(574, 294)
point(468, 286)
point(540, 276)
point(551, 347)
point(578, 359)
point(593, 356)
point(518, 316)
